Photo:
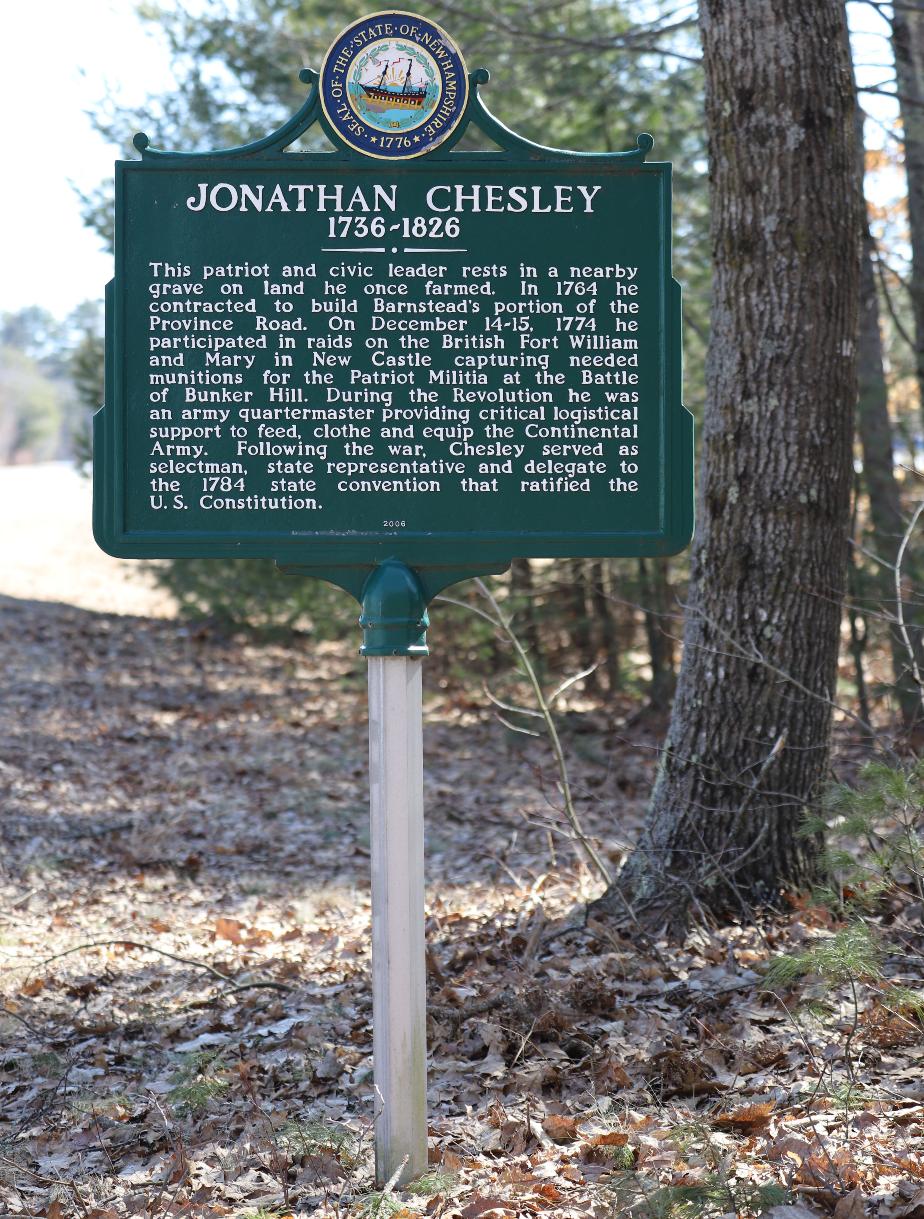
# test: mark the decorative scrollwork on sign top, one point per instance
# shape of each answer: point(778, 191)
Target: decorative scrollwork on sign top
point(476, 114)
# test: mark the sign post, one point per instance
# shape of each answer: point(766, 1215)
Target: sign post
point(394, 622)
point(399, 1030)
point(393, 365)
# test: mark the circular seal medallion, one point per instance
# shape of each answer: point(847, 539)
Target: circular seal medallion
point(394, 85)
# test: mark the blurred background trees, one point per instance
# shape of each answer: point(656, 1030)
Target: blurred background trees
point(51, 381)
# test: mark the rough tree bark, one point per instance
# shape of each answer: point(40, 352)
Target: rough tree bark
point(749, 736)
point(908, 49)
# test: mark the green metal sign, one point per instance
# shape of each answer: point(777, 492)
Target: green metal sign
point(447, 359)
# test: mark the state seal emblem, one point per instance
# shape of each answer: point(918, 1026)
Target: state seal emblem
point(394, 85)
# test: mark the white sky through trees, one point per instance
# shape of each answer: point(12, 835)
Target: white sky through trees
point(60, 59)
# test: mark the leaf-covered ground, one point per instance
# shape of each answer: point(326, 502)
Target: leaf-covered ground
point(184, 930)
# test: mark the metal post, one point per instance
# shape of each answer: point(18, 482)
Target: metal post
point(399, 1031)
point(394, 620)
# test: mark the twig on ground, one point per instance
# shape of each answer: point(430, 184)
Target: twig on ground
point(36, 1032)
point(216, 973)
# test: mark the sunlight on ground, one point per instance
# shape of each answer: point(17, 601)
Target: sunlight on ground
point(47, 552)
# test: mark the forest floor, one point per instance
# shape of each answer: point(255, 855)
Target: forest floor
point(184, 930)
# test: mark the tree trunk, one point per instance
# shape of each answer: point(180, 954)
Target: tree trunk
point(908, 49)
point(580, 633)
point(524, 596)
point(749, 737)
point(857, 620)
point(656, 607)
point(875, 431)
point(606, 626)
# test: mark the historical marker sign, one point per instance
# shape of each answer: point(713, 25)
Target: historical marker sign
point(393, 365)
point(393, 350)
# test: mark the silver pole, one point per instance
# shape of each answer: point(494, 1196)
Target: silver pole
point(399, 1033)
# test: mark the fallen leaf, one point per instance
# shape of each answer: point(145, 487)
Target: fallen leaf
point(913, 1208)
point(613, 1138)
point(677, 1072)
point(548, 1191)
point(201, 1042)
point(851, 1206)
point(229, 929)
point(610, 1072)
point(747, 1120)
point(560, 1128)
point(760, 1056)
point(789, 1147)
point(258, 935)
point(481, 1205)
point(329, 1067)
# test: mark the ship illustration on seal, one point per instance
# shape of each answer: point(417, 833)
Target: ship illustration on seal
point(393, 86)
point(392, 90)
